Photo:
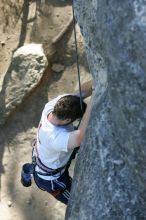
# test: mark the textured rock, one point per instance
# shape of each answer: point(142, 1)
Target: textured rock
point(110, 173)
point(26, 69)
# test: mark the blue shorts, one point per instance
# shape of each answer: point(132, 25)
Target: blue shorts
point(59, 188)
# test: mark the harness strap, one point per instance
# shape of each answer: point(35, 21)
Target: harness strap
point(48, 170)
point(37, 161)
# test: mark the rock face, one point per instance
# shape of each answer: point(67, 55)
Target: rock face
point(110, 173)
point(27, 67)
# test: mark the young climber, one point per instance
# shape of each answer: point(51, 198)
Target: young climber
point(56, 140)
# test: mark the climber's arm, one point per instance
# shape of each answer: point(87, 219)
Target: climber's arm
point(76, 137)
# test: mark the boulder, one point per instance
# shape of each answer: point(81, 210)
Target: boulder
point(24, 73)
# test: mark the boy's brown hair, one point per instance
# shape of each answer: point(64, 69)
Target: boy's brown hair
point(69, 107)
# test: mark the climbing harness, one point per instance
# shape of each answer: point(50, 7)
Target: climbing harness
point(28, 169)
point(37, 161)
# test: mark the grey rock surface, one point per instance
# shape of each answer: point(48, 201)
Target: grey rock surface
point(110, 174)
point(24, 74)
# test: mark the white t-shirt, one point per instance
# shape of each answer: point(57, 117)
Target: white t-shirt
point(52, 142)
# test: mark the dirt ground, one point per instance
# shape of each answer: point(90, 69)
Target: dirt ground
point(24, 22)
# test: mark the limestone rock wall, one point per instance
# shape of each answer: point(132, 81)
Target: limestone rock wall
point(110, 173)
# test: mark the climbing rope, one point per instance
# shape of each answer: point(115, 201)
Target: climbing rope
point(77, 57)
